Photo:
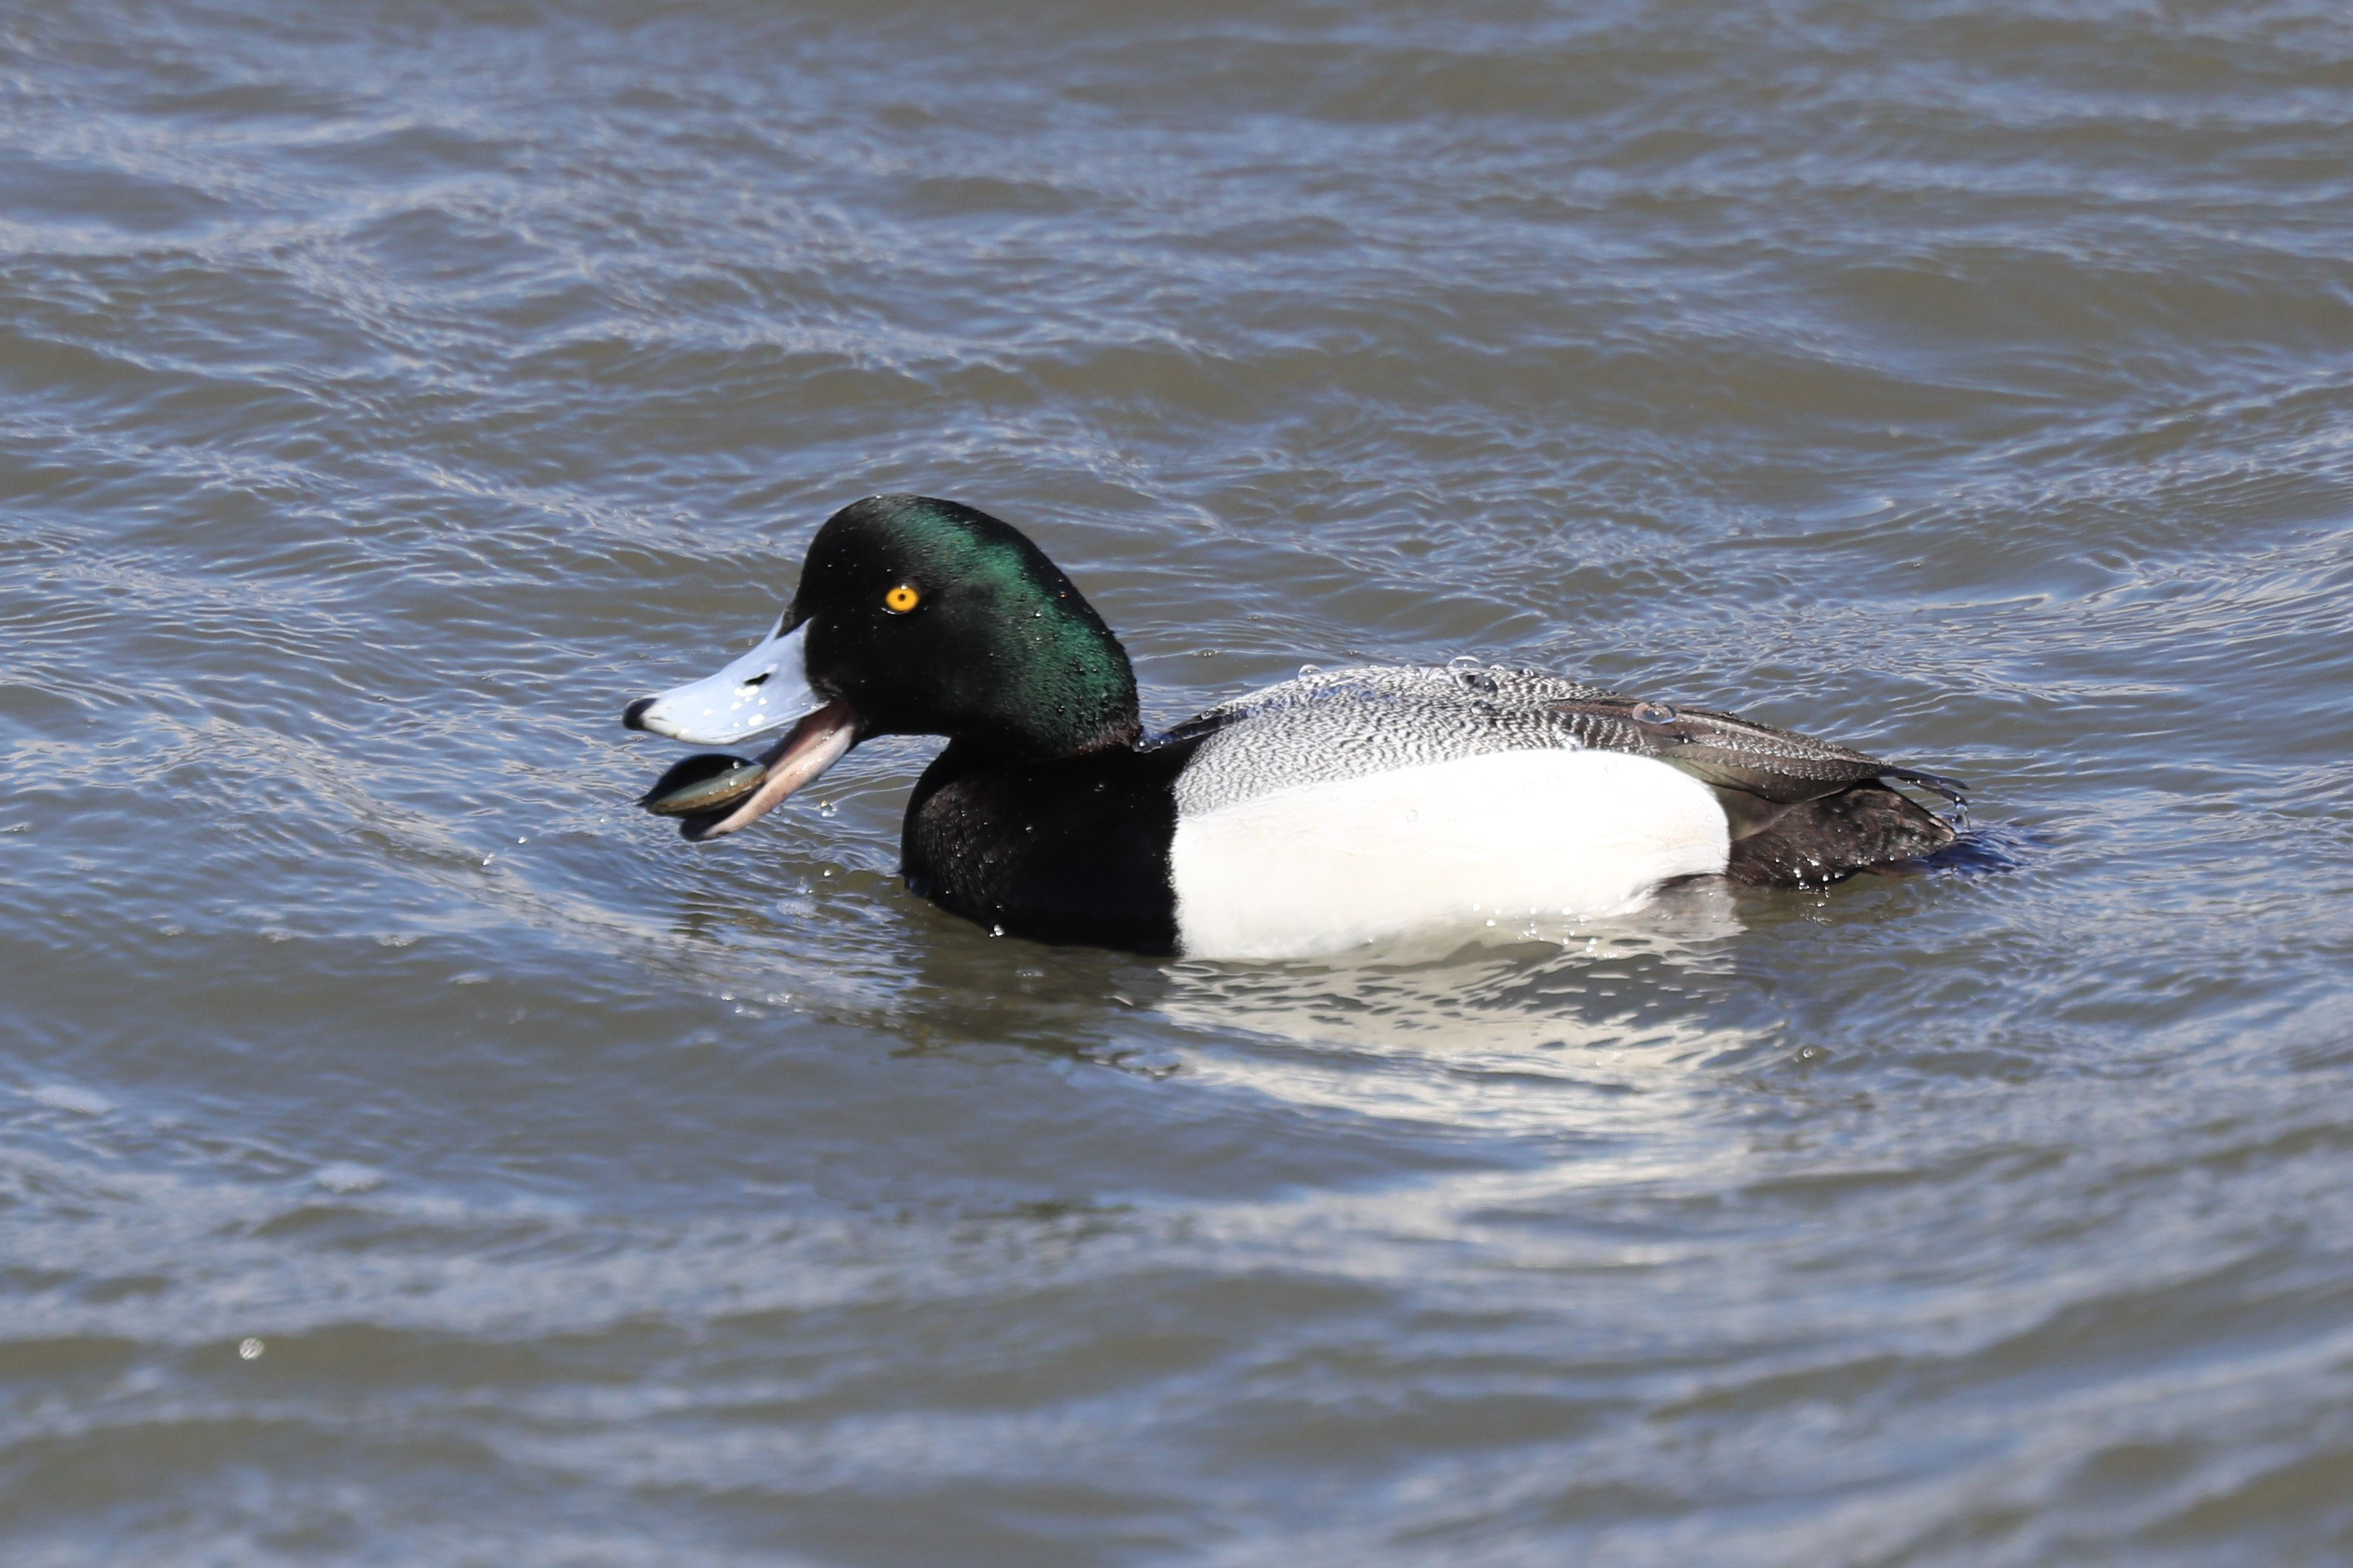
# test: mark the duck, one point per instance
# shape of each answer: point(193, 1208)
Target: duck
point(1342, 809)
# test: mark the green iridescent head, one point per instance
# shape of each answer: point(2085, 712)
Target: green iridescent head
point(929, 618)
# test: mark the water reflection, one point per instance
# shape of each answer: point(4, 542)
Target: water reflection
point(1597, 1029)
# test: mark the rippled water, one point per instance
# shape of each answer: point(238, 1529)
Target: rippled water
point(388, 392)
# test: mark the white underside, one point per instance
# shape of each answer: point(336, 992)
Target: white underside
point(1509, 837)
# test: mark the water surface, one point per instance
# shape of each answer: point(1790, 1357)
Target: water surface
point(390, 390)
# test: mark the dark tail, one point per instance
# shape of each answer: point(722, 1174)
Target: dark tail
point(1835, 836)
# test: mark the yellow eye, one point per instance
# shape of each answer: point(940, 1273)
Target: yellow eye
point(901, 599)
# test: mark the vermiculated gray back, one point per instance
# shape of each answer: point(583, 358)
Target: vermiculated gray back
point(1349, 723)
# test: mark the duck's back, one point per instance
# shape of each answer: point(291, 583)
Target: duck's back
point(1355, 804)
point(1335, 725)
point(1344, 723)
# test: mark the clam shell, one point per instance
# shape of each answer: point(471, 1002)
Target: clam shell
point(704, 781)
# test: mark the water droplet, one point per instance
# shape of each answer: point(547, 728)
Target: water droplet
point(250, 1350)
point(827, 808)
point(1655, 713)
point(1463, 661)
point(997, 931)
point(1307, 669)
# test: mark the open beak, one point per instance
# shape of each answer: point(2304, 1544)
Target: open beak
point(764, 688)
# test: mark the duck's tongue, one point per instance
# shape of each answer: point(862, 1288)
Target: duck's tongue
point(820, 740)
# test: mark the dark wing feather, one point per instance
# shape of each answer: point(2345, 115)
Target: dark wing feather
point(1732, 753)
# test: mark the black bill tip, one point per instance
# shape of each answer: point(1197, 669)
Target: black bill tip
point(633, 717)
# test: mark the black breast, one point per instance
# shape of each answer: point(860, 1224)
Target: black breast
point(1072, 850)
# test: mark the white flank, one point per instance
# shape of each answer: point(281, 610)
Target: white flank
point(1506, 837)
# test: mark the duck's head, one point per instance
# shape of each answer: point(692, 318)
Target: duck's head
point(913, 616)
